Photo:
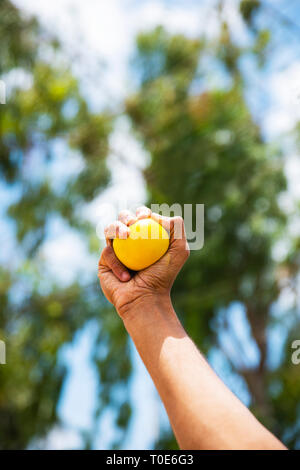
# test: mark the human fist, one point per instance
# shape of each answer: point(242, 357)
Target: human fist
point(124, 288)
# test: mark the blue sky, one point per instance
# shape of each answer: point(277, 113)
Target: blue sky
point(106, 30)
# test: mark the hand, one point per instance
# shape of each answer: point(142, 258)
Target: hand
point(124, 289)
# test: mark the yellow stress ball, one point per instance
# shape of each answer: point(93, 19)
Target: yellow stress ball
point(147, 242)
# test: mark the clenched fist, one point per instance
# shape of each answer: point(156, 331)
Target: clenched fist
point(125, 289)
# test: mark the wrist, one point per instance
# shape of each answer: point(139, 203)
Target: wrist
point(143, 307)
point(150, 323)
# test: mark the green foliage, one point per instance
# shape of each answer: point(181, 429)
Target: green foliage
point(37, 316)
point(261, 46)
point(176, 55)
point(35, 329)
point(17, 49)
point(248, 8)
point(206, 148)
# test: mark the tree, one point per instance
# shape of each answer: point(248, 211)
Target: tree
point(37, 315)
point(206, 147)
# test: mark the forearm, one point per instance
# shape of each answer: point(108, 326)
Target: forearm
point(204, 414)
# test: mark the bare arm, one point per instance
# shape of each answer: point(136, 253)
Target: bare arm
point(203, 412)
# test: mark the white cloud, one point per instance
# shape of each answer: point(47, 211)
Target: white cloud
point(127, 189)
point(176, 19)
point(284, 89)
point(66, 256)
point(237, 26)
point(80, 387)
point(60, 438)
point(109, 28)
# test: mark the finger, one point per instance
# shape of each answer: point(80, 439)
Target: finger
point(162, 220)
point(109, 259)
point(174, 225)
point(106, 276)
point(127, 217)
point(116, 230)
point(143, 212)
point(177, 228)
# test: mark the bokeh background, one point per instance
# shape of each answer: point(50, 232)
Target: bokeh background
point(138, 101)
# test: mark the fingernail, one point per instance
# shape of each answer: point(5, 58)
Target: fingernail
point(125, 276)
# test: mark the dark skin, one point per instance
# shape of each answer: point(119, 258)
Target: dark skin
point(203, 412)
point(120, 287)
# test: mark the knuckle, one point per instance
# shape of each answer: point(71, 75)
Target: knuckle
point(118, 226)
point(126, 217)
point(178, 219)
point(110, 230)
point(122, 230)
point(115, 230)
point(123, 214)
point(143, 210)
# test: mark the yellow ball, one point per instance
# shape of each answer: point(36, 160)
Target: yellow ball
point(148, 241)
